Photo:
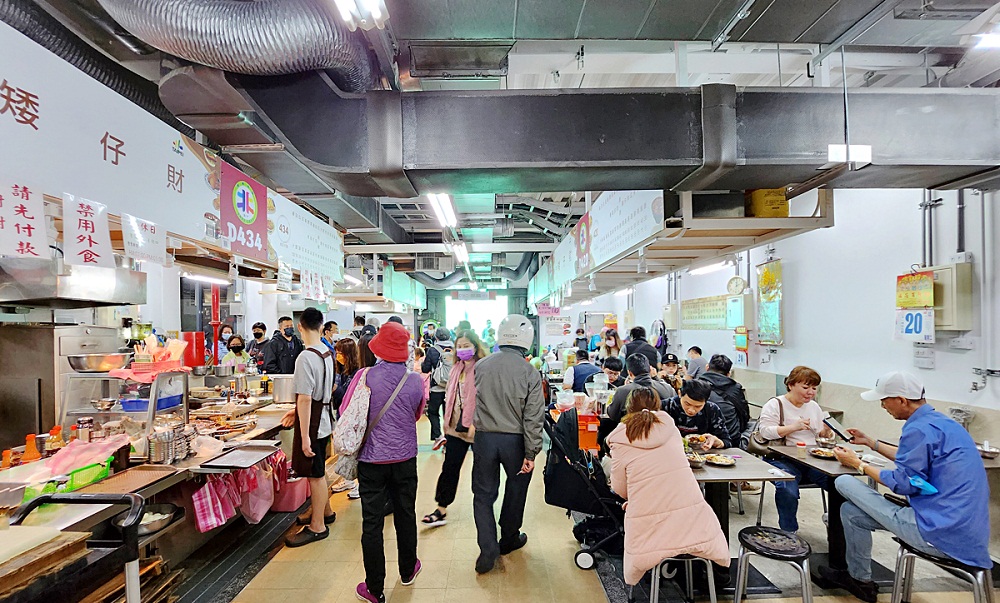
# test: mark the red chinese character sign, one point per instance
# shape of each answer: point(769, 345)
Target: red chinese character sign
point(86, 235)
point(243, 209)
point(22, 221)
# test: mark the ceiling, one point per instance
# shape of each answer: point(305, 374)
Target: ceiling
point(454, 45)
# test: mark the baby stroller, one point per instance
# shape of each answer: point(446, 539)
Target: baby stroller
point(575, 481)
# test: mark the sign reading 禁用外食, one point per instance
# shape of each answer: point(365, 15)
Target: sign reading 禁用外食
point(86, 235)
point(915, 290)
point(144, 240)
point(22, 221)
point(916, 325)
point(704, 313)
point(243, 213)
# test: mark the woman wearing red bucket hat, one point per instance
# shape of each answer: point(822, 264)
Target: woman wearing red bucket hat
point(387, 462)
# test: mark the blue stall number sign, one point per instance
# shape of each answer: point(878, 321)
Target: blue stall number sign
point(915, 325)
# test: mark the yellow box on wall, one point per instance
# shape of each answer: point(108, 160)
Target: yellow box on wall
point(766, 203)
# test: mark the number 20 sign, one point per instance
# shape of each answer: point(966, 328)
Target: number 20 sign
point(915, 325)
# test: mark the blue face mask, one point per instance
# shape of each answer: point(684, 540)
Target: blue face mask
point(226, 336)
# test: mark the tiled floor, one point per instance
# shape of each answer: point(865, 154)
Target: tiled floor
point(329, 571)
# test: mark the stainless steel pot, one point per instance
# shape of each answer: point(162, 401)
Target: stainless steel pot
point(284, 389)
point(200, 371)
point(98, 363)
point(224, 371)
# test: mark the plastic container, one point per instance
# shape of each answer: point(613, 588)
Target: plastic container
point(800, 449)
point(150, 367)
point(588, 425)
point(142, 404)
point(79, 478)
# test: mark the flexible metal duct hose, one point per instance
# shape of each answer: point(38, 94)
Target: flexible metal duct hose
point(528, 266)
point(265, 37)
point(29, 19)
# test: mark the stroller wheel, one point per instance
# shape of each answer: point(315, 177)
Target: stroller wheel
point(585, 560)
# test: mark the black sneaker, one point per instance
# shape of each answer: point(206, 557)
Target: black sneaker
point(507, 547)
point(484, 564)
point(866, 591)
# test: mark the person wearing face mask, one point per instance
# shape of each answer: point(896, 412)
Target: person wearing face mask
point(459, 408)
point(281, 352)
point(256, 346)
point(237, 355)
point(329, 331)
point(611, 346)
point(225, 332)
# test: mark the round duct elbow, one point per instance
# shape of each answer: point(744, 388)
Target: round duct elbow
point(264, 37)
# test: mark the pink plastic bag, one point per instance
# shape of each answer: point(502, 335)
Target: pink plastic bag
point(257, 501)
point(208, 513)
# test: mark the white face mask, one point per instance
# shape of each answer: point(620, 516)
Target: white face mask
point(611, 343)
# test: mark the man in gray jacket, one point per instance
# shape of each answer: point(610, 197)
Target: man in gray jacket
point(509, 415)
point(437, 363)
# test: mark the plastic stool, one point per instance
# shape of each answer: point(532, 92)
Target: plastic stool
point(776, 544)
point(980, 577)
point(688, 561)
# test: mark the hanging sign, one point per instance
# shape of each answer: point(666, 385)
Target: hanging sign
point(469, 295)
point(86, 235)
point(558, 326)
point(915, 290)
point(243, 211)
point(915, 325)
point(22, 221)
point(544, 309)
point(704, 313)
point(284, 277)
point(305, 278)
point(144, 241)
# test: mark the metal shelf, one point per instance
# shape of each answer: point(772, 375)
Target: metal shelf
point(143, 541)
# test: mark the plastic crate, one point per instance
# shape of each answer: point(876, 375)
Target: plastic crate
point(158, 367)
point(142, 404)
point(79, 478)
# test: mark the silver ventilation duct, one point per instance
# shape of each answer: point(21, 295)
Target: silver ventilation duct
point(264, 37)
point(527, 267)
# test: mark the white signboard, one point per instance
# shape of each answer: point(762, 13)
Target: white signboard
point(144, 240)
point(284, 277)
point(22, 221)
point(558, 326)
point(915, 325)
point(302, 240)
point(86, 234)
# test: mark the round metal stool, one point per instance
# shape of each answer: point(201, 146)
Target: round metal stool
point(776, 544)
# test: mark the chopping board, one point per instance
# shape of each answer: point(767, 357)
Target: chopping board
point(65, 548)
point(21, 539)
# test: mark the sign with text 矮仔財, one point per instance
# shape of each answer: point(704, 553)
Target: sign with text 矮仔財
point(243, 213)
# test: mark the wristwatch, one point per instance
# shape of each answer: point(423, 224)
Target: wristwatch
point(861, 468)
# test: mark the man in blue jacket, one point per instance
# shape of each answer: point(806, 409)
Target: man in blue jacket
point(937, 466)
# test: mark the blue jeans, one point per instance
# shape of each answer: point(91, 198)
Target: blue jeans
point(863, 512)
point(786, 494)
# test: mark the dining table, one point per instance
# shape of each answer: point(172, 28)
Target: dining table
point(716, 480)
point(836, 557)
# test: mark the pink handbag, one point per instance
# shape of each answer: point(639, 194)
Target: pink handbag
point(292, 496)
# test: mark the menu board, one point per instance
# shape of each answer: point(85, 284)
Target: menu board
point(558, 326)
point(770, 327)
point(704, 313)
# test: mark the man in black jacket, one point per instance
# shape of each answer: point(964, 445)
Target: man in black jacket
point(728, 395)
point(281, 352)
point(639, 345)
point(638, 370)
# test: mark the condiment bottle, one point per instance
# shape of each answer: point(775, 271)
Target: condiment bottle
point(56, 440)
point(73, 432)
point(801, 448)
point(265, 383)
point(31, 452)
point(5, 464)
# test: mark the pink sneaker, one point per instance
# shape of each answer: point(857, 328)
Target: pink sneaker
point(416, 570)
point(364, 595)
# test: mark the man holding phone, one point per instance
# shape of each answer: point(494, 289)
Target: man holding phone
point(937, 467)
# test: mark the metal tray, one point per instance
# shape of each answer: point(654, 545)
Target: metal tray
point(243, 457)
point(131, 480)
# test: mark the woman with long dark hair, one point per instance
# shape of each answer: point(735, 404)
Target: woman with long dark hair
point(459, 407)
point(365, 355)
point(666, 515)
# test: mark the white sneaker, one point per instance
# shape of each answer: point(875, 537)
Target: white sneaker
point(355, 493)
point(344, 485)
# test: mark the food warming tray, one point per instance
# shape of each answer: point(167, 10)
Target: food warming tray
point(131, 480)
point(243, 457)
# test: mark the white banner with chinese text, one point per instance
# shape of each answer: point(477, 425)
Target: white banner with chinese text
point(22, 221)
point(86, 235)
point(144, 240)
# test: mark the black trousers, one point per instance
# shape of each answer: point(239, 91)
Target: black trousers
point(395, 482)
point(455, 450)
point(491, 452)
point(434, 404)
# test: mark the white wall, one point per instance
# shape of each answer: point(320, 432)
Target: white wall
point(163, 297)
point(839, 293)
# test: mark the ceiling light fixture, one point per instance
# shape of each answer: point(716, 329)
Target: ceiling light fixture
point(344, 302)
point(366, 14)
point(587, 303)
point(474, 286)
point(592, 284)
point(352, 279)
point(643, 267)
point(461, 253)
point(443, 210)
point(201, 278)
point(624, 291)
point(710, 268)
point(988, 40)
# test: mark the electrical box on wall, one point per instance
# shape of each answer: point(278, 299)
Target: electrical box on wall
point(740, 311)
point(952, 297)
point(672, 317)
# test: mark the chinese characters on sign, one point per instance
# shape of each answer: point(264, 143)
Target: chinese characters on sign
point(21, 104)
point(915, 290)
point(175, 179)
point(243, 213)
point(284, 277)
point(22, 221)
point(144, 240)
point(916, 325)
point(113, 146)
point(86, 236)
point(704, 313)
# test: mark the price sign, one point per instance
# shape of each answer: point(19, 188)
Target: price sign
point(915, 325)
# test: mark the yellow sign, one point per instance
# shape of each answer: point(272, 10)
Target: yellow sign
point(915, 290)
point(704, 313)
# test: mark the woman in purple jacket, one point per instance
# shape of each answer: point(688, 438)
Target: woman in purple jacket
point(387, 464)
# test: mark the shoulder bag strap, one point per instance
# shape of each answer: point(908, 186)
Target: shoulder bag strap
point(323, 356)
point(385, 409)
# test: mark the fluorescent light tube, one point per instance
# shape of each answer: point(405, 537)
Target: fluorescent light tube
point(205, 279)
point(474, 285)
point(988, 40)
point(352, 279)
point(625, 291)
point(709, 269)
point(448, 209)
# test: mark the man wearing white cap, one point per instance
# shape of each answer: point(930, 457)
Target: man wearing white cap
point(937, 467)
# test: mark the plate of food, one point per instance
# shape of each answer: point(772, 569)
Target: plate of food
point(695, 460)
point(823, 453)
point(720, 460)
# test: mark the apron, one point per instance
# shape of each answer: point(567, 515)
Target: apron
point(300, 462)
